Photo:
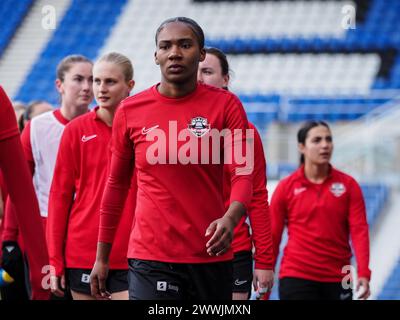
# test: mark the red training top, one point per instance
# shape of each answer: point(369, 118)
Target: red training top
point(19, 184)
point(11, 229)
point(4, 193)
point(77, 188)
point(259, 215)
point(320, 219)
point(8, 122)
point(179, 194)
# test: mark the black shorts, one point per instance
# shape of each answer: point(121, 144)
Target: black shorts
point(153, 280)
point(302, 289)
point(242, 272)
point(78, 280)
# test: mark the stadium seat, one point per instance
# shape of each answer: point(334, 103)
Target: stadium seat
point(83, 30)
point(11, 16)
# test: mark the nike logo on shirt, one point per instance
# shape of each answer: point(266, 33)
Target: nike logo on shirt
point(9, 248)
point(239, 283)
point(87, 138)
point(345, 296)
point(299, 190)
point(146, 131)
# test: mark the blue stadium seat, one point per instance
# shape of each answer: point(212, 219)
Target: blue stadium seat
point(379, 31)
point(12, 14)
point(83, 30)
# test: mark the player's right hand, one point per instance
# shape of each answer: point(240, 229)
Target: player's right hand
point(57, 285)
point(98, 278)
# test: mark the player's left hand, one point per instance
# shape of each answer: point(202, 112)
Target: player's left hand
point(221, 231)
point(98, 278)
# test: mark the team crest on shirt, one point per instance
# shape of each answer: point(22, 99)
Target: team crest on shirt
point(199, 126)
point(338, 188)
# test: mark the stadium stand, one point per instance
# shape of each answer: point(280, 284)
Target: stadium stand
point(281, 48)
point(29, 40)
point(11, 15)
point(83, 30)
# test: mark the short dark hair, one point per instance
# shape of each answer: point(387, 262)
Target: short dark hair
point(303, 132)
point(197, 30)
point(223, 60)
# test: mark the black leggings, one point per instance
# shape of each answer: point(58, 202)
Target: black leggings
point(302, 289)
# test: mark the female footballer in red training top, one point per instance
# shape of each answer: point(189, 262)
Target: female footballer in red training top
point(214, 70)
point(78, 183)
point(20, 188)
point(180, 243)
point(322, 208)
point(41, 137)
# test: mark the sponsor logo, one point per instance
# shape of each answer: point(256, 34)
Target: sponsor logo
point(146, 131)
point(297, 191)
point(239, 282)
point(199, 126)
point(161, 286)
point(87, 138)
point(172, 287)
point(338, 188)
point(85, 278)
point(164, 286)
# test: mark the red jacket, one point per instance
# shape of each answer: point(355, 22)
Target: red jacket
point(320, 218)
